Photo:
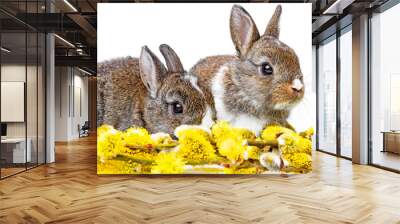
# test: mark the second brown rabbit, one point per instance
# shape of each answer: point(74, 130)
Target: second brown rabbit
point(142, 92)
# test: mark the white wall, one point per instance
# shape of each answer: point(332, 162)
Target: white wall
point(12, 73)
point(12, 101)
point(79, 117)
point(70, 81)
point(33, 127)
point(62, 81)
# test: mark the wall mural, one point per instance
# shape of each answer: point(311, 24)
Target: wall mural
point(229, 112)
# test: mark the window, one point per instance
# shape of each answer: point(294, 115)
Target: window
point(327, 96)
point(346, 93)
point(385, 89)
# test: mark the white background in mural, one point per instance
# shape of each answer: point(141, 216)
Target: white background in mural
point(195, 31)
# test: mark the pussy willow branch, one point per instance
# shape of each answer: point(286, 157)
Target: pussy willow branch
point(153, 147)
point(263, 143)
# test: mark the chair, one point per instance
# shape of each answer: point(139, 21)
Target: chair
point(84, 130)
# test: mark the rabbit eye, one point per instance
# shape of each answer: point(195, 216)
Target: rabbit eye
point(177, 108)
point(266, 69)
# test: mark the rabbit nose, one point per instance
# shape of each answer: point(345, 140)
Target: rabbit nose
point(297, 85)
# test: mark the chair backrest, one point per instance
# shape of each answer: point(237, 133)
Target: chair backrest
point(86, 125)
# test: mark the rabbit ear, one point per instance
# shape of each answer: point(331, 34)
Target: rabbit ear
point(243, 30)
point(171, 59)
point(152, 71)
point(273, 24)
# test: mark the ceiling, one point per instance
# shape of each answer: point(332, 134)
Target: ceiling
point(74, 22)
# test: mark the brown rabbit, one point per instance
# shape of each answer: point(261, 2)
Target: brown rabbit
point(261, 84)
point(142, 92)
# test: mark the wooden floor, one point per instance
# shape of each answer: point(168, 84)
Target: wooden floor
point(387, 159)
point(10, 171)
point(69, 191)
